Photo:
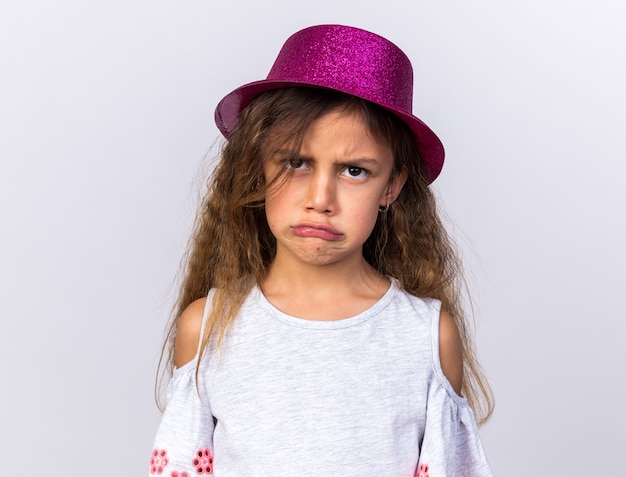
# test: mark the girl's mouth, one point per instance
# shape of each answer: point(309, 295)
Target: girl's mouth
point(322, 231)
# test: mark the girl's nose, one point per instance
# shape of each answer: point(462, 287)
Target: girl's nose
point(322, 193)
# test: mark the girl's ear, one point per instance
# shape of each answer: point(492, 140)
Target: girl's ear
point(394, 187)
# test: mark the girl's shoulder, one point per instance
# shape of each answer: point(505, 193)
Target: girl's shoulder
point(447, 343)
point(188, 329)
point(450, 350)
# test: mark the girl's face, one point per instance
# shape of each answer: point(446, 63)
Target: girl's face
point(326, 208)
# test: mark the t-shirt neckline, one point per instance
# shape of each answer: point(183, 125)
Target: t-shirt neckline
point(355, 320)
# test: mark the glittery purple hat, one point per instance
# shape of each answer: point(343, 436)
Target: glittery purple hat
point(349, 60)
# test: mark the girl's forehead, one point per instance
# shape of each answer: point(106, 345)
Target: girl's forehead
point(290, 137)
point(338, 118)
point(341, 136)
point(344, 125)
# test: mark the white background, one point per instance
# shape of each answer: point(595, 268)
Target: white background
point(106, 114)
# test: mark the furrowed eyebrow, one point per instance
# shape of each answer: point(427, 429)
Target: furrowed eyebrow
point(284, 154)
point(364, 162)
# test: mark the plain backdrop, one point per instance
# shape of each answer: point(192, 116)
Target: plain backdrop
point(106, 116)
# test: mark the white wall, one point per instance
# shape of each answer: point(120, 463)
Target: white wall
point(106, 113)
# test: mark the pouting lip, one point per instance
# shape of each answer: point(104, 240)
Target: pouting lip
point(316, 226)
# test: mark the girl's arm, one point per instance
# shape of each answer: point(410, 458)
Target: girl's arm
point(188, 332)
point(450, 351)
point(183, 445)
point(451, 444)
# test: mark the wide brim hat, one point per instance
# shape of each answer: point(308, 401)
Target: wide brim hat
point(346, 59)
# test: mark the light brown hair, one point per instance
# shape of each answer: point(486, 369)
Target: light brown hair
point(232, 247)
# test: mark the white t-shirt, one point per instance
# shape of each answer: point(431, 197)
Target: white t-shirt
point(291, 397)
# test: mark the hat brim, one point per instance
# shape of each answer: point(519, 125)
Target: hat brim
point(229, 109)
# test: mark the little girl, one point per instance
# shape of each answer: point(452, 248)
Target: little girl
point(319, 329)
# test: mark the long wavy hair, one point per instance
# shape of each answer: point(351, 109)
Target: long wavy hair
point(231, 247)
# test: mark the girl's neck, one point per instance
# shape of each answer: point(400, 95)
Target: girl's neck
point(327, 292)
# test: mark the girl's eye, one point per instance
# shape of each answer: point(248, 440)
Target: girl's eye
point(296, 164)
point(356, 172)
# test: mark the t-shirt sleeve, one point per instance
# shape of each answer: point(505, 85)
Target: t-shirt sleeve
point(184, 441)
point(451, 446)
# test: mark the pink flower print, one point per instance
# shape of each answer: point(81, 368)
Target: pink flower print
point(203, 462)
point(158, 461)
point(175, 473)
point(422, 471)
